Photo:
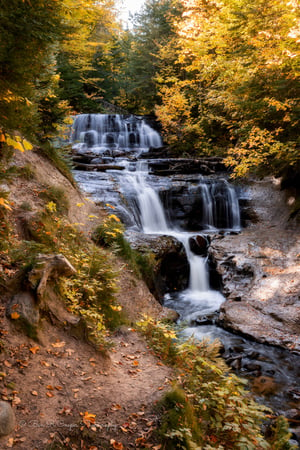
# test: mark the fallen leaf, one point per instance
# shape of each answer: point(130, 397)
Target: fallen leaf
point(34, 393)
point(135, 363)
point(44, 363)
point(67, 411)
point(116, 407)
point(140, 440)
point(7, 364)
point(10, 443)
point(116, 445)
point(58, 388)
point(34, 349)
point(16, 400)
point(49, 394)
point(59, 344)
point(15, 315)
point(88, 418)
point(69, 351)
point(50, 387)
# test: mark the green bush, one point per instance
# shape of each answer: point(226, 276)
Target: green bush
point(220, 412)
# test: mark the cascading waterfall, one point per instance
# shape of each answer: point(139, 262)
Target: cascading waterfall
point(102, 131)
point(94, 134)
point(198, 298)
point(170, 206)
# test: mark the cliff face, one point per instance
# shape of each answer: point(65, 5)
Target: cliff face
point(260, 269)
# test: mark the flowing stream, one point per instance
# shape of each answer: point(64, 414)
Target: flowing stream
point(159, 206)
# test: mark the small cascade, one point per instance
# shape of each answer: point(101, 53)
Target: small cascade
point(198, 298)
point(98, 132)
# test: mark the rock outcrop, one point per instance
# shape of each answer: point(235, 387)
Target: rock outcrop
point(166, 255)
point(260, 269)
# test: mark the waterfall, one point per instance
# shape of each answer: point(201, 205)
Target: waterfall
point(98, 132)
point(153, 220)
point(139, 198)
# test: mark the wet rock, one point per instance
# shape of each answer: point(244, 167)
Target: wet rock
point(171, 166)
point(170, 314)
point(169, 266)
point(208, 319)
point(235, 362)
point(7, 418)
point(293, 414)
point(199, 244)
point(252, 367)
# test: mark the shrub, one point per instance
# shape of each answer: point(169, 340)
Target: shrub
point(222, 413)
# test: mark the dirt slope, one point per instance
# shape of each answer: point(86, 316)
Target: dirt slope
point(55, 384)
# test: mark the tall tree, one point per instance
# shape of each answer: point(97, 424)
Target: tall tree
point(137, 61)
point(32, 34)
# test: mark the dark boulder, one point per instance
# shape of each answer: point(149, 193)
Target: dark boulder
point(169, 270)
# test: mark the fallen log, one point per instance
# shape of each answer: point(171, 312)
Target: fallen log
point(97, 167)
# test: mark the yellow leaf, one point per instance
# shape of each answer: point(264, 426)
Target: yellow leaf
point(14, 144)
point(27, 145)
point(89, 416)
point(4, 203)
point(15, 315)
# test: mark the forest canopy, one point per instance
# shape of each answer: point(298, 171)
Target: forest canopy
point(222, 77)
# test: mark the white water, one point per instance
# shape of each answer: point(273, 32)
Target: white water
point(99, 132)
point(198, 298)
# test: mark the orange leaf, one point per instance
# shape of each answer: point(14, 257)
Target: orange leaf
point(116, 407)
point(88, 418)
point(34, 393)
point(34, 349)
point(15, 315)
point(49, 394)
point(116, 445)
point(135, 363)
point(58, 344)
